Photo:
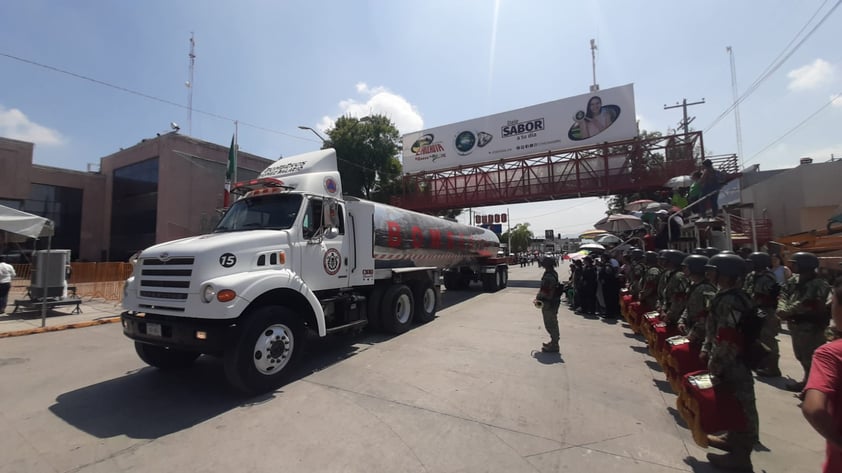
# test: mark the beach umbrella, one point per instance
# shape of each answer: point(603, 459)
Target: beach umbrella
point(577, 256)
point(592, 234)
point(592, 247)
point(638, 205)
point(608, 239)
point(619, 223)
point(679, 182)
point(655, 206)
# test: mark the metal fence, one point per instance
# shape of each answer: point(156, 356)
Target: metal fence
point(91, 280)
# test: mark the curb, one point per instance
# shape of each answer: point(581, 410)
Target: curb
point(56, 328)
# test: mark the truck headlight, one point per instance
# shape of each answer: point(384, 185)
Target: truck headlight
point(208, 294)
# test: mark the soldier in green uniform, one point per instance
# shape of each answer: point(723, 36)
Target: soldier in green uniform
point(549, 298)
point(649, 282)
point(803, 306)
point(663, 262)
point(699, 294)
point(638, 269)
point(726, 365)
point(675, 289)
point(762, 287)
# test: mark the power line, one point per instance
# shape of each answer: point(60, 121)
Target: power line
point(799, 125)
point(778, 62)
point(149, 97)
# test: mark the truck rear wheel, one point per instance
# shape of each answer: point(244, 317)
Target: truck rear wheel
point(502, 277)
point(271, 341)
point(167, 359)
point(491, 281)
point(397, 309)
point(426, 301)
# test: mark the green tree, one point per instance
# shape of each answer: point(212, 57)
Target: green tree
point(521, 235)
point(367, 150)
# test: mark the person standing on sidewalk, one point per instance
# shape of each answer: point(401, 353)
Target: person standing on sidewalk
point(763, 288)
point(803, 306)
point(7, 272)
point(549, 297)
point(726, 362)
point(822, 406)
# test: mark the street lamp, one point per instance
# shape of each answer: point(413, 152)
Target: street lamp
point(302, 127)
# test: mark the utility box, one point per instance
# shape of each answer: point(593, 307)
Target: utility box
point(48, 273)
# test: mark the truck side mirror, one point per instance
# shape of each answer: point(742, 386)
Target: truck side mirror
point(331, 219)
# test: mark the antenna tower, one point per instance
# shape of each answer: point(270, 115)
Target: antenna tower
point(594, 86)
point(189, 85)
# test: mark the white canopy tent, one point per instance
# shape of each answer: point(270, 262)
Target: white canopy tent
point(15, 224)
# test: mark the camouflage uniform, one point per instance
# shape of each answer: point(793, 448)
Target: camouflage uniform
point(803, 306)
point(675, 296)
point(637, 272)
point(695, 312)
point(649, 288)
point(551, 300)
point(726, 366)
point(761, 287)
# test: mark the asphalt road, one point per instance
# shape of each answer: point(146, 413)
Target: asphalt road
point(467, 392)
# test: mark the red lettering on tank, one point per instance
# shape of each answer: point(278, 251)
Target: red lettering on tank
point(435, 239)
point(394, 234)
point(417, 237)
point(450, 240)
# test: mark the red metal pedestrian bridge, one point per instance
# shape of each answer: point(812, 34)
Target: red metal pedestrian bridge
point(641, 164)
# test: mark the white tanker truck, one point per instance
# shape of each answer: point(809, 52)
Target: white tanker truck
point(293, 255)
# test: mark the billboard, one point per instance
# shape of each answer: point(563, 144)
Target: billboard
point(607, 115)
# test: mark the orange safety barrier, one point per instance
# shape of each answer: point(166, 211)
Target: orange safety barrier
point(91, 280)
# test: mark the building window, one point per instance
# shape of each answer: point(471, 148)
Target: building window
point(62, 205)
point(134, 209)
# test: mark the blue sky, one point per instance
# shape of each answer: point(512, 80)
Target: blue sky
point(274, 65)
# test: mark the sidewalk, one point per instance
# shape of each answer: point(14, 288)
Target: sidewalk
point(94, 312)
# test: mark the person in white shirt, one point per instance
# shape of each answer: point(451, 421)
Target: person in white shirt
point(7, 272)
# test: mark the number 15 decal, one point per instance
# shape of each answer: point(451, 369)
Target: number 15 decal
point(227, 260)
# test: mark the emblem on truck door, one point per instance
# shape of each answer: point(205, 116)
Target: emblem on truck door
point(332, 261)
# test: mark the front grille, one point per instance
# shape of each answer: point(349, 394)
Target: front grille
point(166, 281)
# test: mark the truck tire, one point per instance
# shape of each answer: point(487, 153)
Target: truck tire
point(166, 359)
point(451, 281)
point(503, 277)
point(426, 301)
point(491, 282)
point(397, 308)
point(269, 344)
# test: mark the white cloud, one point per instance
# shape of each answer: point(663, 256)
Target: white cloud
point(378, 100)
point(836, 100)
point(811, 76)
point(15, 125)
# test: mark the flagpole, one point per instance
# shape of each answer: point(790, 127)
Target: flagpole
point(236, 147)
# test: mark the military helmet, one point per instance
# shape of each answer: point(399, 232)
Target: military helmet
point(636, 254)
point(760, 260)
point(699, 251)
point(651, 257)
point(695, 263)
point(675, 257)
point(807, 262)
point(662, 254)
point(710, 251)
point(726, 264)
point(548, 262)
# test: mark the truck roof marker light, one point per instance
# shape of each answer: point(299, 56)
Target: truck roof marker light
point(226, 295)
point(244, 187)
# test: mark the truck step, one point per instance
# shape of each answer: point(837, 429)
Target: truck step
point(356, 323)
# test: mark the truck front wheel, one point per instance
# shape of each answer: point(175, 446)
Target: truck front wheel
point(397, 309)
point(271, 340)
point(166, 359)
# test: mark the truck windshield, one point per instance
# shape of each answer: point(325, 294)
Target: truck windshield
point(275, 212)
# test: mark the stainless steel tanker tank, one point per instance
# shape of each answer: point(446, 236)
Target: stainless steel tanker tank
point(406, 238)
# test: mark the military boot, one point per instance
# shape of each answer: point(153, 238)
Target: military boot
point(771, 370)
point(720, 442)
point(732, 461)
point(550, 347)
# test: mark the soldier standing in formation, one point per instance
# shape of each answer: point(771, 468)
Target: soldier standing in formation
point(803, 306)
point(637, 271)
point(549, 297)
point(699, 294)
point(675, 288)
point(649, 283)
point(726, 352)
point(762, 287)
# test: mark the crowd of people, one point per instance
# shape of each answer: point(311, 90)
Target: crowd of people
point(730, 309)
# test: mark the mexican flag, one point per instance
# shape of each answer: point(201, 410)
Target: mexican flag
point(230, 171)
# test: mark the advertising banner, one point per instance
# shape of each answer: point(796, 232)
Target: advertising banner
point(607, 115)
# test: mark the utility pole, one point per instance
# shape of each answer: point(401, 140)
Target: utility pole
point(189, 84)
point(594, 86)
point(685, 124)
point(736, 105)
